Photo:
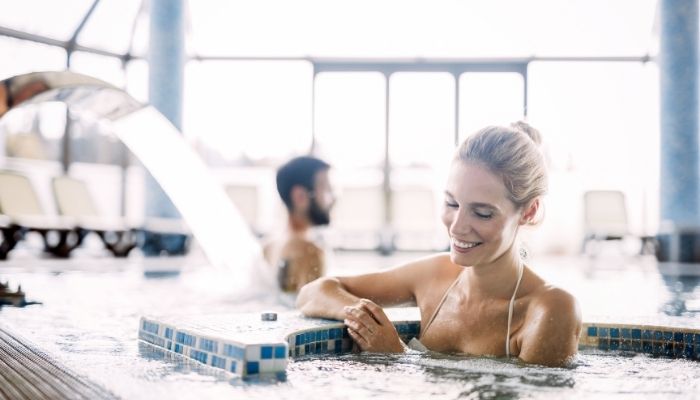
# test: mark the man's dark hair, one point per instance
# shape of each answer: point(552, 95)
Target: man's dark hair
point(298, 171)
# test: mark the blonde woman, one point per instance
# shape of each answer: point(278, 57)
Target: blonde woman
point(480, 298)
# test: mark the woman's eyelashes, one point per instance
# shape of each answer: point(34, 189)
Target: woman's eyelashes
point(451, 204)
point(479, 213)
point(483, 214)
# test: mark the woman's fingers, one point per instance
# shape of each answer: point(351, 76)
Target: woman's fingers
point(362, 317)
point(376, 312)
point(358, 338)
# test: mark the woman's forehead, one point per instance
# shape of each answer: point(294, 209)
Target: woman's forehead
point(475, 183)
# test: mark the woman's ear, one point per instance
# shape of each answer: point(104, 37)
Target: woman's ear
point(529, 212)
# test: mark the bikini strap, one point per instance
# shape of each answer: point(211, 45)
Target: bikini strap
point(442, 301)
point(521, 267)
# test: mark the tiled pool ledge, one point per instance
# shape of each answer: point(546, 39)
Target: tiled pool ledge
point(245, 345)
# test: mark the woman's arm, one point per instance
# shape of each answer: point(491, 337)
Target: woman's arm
point(552, 329)
point(326, 297)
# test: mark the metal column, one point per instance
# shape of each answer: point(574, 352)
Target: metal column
point(166, 61)
point(678, 69)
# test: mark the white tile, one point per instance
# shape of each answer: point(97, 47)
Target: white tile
point(252, 353)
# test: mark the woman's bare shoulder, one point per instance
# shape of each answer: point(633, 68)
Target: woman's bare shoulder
point(434, 265)
point(552, 327)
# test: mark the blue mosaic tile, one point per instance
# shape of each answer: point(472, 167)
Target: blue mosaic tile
point(688, 350)
point(656, 349)
point(198, 355)
point(688, 338)
point(266, 352)
point(183, 338)
point(208, 345)
point(297, 339)
point(218, 362)
point(252, 367)
point(668, 335)
point(658, 335)
point(592, 331)
point(335, 333)
point(306, 349)
point(678, 337)
point(625, 345)
point(614, 332)
point(603, 332)
point(338, 346)
point(647, 347)
point(324, 335)
point(234, 351)
point(636, 346)
point(414, 328)
point(636, 334)
point(697, 338)
point(647, 334)
point(614, 344)
point(279, 352)
point(678, 350)
point(667, 349)
point(603, 344)
point(150, 327)
point(626, 334)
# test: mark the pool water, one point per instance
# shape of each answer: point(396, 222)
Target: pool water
point(90, 311)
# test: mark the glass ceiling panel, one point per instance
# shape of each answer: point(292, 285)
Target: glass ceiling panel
point(108, 69)
point(110, 26)
point(411, 28)
point(54, 19)
point(23, 56)
point(363, 28)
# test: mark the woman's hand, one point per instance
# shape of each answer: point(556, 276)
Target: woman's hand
point(371, 329)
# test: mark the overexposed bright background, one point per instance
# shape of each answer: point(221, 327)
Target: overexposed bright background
point(592, 91)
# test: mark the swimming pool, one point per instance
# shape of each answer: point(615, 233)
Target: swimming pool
point(91, 309)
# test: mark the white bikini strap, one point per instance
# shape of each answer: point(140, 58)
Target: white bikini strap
point(521, 267)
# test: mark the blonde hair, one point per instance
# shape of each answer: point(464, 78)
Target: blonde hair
point(512, 153)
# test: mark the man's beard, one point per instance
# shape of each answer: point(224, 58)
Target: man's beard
point(317, 215)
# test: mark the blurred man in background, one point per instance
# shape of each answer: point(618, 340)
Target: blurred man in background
point(304, 187)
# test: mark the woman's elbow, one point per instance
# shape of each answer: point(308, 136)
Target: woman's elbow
point(312, 291)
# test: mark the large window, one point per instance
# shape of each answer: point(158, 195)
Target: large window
point(256, 110)
point(488, 98)
point(421, 118)
point(350, 118)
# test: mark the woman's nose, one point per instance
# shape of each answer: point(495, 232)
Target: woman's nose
point(461, 225)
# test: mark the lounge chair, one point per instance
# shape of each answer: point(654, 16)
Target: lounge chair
point(74, 200)
point(154, 236)
point(22, 212)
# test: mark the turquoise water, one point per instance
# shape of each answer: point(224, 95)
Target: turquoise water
point(90, 312)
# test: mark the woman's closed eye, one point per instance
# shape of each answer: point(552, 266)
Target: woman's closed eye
point(451, 204)
point(483, 214)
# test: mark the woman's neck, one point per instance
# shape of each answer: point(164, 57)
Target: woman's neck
point(494, 279)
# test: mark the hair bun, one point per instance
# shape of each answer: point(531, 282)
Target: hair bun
point(527, 129)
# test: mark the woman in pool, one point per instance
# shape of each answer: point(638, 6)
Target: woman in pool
point(480, 298)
